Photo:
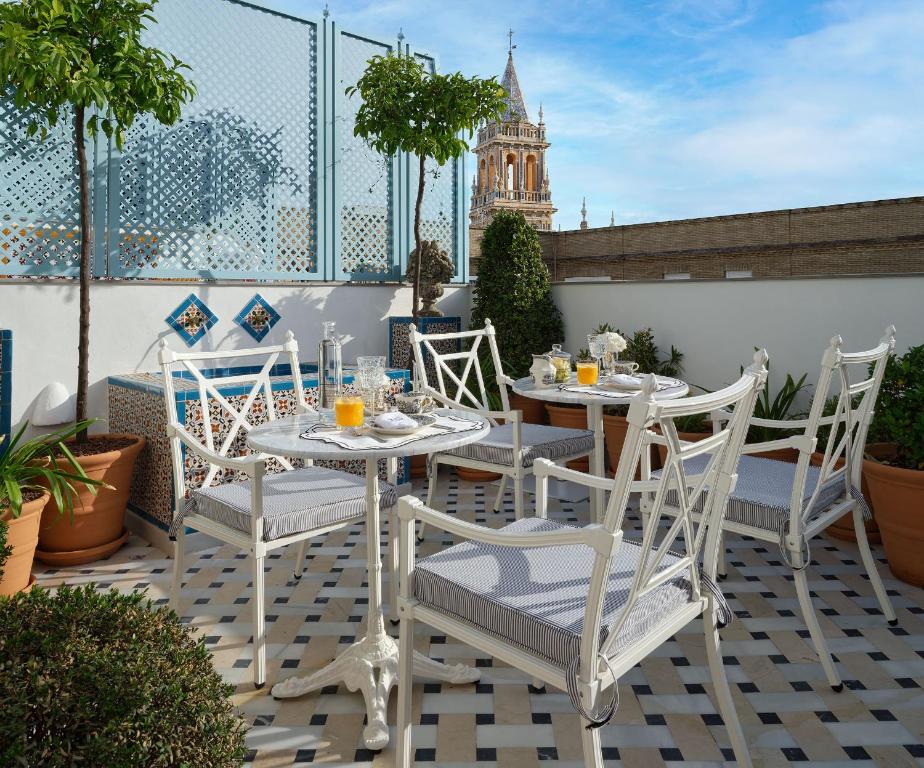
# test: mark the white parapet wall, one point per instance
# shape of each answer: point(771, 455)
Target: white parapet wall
point(127, 321)
point(717, 323)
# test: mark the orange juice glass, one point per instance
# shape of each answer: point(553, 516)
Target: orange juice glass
point(348, 411)
point(587, 373)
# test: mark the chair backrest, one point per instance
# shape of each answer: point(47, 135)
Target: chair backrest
point(848, 425)
point(218, 409)
point(675, 549)
point(466, 390)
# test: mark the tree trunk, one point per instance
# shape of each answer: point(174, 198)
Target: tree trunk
point(420, 193)
point(83, 345)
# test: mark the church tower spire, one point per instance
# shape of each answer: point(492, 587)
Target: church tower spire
point(512, 172)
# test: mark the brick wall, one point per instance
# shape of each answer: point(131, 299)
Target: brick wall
point(876, 237)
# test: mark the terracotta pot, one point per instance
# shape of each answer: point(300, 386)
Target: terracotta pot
point(533, 409)
point(690, 437)
point(476, 475)
point(789, 455)
point(22, 536)
point(572, 418)
point(98, 520)
point(419, 466)
point(898, 495)
point(842, 528)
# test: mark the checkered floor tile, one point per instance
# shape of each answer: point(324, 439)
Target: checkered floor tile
point(666, 717)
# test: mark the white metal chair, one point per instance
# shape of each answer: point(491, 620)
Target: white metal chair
point(577, 608)
point(511, 448)
point(238, 502)
point(788, 503)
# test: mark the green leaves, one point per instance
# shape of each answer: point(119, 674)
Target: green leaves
point(899, 414)
point(88, 54)
point(407, 109)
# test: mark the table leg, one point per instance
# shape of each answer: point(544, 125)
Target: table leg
point(371, 665)
point(595, 422)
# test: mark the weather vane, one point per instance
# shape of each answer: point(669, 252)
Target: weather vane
point(510, 36)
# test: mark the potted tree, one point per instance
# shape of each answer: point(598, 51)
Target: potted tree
point(84, 61)
point(105, 679)
point(897, 484)
point(31, 473)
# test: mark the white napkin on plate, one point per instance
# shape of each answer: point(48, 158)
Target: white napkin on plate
point(626, 381)
point(394, 420)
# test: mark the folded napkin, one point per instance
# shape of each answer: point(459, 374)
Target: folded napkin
point(626, 381)
point(394, 420)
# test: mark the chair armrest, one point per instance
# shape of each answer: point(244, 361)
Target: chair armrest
point(245, 463)
point(594, 536)
point(799, 442)
point(779, 423)
point(506, 380)
point(545, 468)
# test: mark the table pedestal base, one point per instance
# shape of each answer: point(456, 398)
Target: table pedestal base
point(371, 666)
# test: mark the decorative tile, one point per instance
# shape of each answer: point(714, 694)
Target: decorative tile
point(257, 317)
point(6, 385)
point(400, 354)
point(192, 319)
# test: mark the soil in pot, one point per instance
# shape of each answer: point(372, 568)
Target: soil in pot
point(533, 409)
point(22, 536)
point(572, 418)
point(842, 528)
point(98, 520)
point(898, 496)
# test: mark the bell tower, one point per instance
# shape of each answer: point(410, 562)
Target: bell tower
point(512, 174)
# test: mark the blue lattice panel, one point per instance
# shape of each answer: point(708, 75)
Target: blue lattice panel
point(231, 189)
point(137, 405)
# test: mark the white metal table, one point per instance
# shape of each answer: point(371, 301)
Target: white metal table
point(668, 389)
point(371, 664)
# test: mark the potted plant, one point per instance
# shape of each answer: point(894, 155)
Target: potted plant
point(104, 679)
point(31, 473)
point(897, 484)
point(84, 60)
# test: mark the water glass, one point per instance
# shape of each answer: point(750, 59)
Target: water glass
point(597, 345)
point(370, 373)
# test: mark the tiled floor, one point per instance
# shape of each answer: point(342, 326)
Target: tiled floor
point(666, 716)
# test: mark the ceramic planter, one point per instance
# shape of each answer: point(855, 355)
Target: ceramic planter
point(533, 409)
point(476, 475)
point(572, 418)
point(690, 437)
point(96, 528)
point(22, 536)
point(898, 495)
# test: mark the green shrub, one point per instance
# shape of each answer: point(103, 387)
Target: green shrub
point(102, 679)
point(899, 415)
point(513, 290)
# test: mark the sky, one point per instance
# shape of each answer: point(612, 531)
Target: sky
point(672, 109)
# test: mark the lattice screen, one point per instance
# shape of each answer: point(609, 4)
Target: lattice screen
point(364, 187)
point(230, 190)
point(39, 198)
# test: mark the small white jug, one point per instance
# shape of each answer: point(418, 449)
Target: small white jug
point(543, 371)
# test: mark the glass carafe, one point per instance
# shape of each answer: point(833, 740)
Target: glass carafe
point(330, 371)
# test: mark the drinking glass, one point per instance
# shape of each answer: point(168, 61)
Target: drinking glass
point(370, 375)
point(348, 411)
point(597, 345)
point(587, 372)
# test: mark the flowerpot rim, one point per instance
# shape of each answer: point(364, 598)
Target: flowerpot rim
point(6, 512)
point(108, 457)
point(898, 475)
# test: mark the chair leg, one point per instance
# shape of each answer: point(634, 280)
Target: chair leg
point(590, 740)
point(722, 564)
point(393, 565)
point(405, 690)
point(518, 497)
point(259, 624)
point(299, 565)
point(811, 622)
point(179, 569)
point(499, 498)
point(870, 563)
point(722, 693)
point(433, 479)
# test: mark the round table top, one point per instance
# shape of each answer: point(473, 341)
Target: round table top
point(673, 388)
point(281, 437)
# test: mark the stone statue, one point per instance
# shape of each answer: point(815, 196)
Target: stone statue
point(436, 269)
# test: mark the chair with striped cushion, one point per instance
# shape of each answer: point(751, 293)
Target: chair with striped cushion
point(512, 446)
point(790, 504)
point(578, 608)
point(237, 501)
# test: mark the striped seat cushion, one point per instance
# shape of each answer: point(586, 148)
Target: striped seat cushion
point(764, 489)
point(535, 598)
point(538, 441)
point(293, 502)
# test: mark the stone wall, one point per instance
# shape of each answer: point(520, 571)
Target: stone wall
point(876, 237)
